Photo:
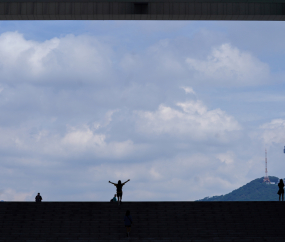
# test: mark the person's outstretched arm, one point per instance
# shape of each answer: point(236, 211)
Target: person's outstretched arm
point(112, 183)
point(126, 182)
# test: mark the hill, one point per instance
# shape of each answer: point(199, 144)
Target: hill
point(255, 190)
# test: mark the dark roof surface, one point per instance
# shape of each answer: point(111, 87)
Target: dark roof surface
point(265, 10)
point(152, 1)
point(152, 221)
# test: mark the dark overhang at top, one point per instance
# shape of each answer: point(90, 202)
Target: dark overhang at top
point(142, 10)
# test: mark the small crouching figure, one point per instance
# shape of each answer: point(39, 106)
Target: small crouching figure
point(38, 198)
point(128, 222)
point(114, 199)
point(281, 189)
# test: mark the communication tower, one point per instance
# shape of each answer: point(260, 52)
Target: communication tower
point(266, 178)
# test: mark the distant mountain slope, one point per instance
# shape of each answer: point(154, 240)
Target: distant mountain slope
point(255, 190)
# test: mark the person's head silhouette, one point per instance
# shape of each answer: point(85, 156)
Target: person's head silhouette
point(38, 193)
point(119, 182)
point(281, 181)
point(115, 195)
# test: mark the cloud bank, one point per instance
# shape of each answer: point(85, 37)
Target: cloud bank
point(79, 110)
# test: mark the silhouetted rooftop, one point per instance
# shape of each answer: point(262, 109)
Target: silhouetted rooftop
point(142, 9)
point(152, 221)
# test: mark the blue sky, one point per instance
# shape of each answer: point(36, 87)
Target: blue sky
point(184, 109)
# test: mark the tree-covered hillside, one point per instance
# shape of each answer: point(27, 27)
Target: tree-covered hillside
point(255, 190)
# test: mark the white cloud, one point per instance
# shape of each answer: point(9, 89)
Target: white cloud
point(69, 58)
point(194, 120)
point(227, 157)
point(75, 142)
point(188, 90)
point(108, 118)
point(81, 140)
point(229, 66)
point(273, 132)
point(12, 195)
point(58, 129)
point(17, 51)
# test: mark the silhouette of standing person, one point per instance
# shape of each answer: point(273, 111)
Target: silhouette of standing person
point(38, 198)
point(119, 187)
point(281, 189)
point(128, 222)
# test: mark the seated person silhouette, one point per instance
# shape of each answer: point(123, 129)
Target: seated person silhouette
point(119, 187)
point(38, 198)
point(281, 189)
point(114, 199)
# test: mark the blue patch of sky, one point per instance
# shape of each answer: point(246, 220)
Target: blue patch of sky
point(43, 30)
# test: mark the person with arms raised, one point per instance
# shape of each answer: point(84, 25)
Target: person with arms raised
point(119, 187)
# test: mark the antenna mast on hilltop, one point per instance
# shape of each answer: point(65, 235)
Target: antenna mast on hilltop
point(266, 178)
